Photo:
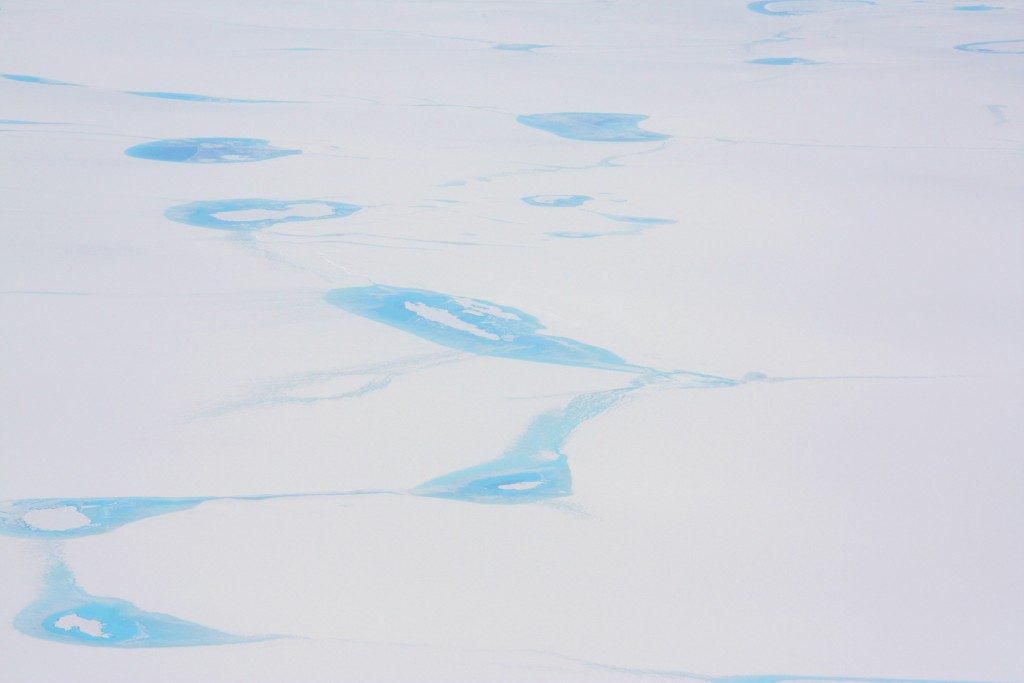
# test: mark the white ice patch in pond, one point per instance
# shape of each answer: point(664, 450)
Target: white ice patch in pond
point(479, 308)
point(90, 627)
point(300, 211)
point(56, 519)
point(520, 485)
point(439, 315)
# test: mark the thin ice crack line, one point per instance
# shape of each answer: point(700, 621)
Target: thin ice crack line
point(604, 162)
point(822, 145)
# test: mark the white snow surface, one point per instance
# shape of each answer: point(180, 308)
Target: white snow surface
point(852, 227)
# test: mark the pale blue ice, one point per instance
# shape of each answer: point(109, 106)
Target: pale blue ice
point(580, 234)
point(473, 325)
point(1016, 47)
point(209, 214)
point(67, 614)
point(39, 80)
point(791, 8)
point(209, 150)
point(557, 200)
point(593, 126)
point(783, 678)
point(189, 97)
point(518, 47)
point(639, 223)
point(780, 37)
point(781, 61)
point(975, 8)
point(644, 220)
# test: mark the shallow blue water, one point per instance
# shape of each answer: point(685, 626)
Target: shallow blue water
point(25, 78)
point(209, 150)
point(1016, 47)
point(593, 126)
point(518, 47)
point(203, 214)
point(975, 8)
point(66, 613)
point(534, 467)
point(781, 61)
point(472, 325)
point(791, 8)
point(557, 200)
point(189, 97)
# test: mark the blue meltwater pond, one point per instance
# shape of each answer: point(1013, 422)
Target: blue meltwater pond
point(245, 215)
point(66, 613)
point(593, 126)
point(472, 325)
point(209, 150)
point(560, 201)
point(793, 8)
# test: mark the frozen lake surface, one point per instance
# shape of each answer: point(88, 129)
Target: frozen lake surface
point(501, 341)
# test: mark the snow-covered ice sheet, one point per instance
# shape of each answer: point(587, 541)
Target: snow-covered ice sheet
point(512, 341)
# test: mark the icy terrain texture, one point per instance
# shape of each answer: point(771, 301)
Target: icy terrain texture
point(512, 341)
